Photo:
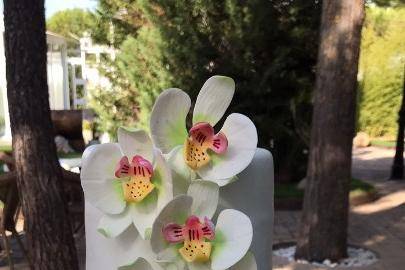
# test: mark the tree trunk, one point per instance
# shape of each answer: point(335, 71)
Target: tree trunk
point(323, 230)
point(397, 170)
point(49, 236)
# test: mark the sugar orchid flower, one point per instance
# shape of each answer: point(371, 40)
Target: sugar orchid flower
point(128, 181)
point(183, 239)
point(213, 156)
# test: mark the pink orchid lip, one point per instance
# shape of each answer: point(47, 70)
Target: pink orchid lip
point(136, 178)
point(201, 138)
point(138, 166)
point(193, 230)
point(204, 133)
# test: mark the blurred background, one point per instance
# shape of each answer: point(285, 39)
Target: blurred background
point(112, 58)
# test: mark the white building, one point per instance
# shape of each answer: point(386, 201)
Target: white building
point(85, 68)
point(62, 96)
point(58, 80)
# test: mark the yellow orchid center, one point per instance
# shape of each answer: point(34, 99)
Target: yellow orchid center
point(193, 234)
point(136, 178)
point(202, 138)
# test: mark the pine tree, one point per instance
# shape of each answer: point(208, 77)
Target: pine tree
point(39, 177)
point(323, 229)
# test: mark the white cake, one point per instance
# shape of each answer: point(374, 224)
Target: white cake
point(252, 194)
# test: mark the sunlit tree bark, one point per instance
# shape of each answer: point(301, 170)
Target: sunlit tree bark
point(323, 230)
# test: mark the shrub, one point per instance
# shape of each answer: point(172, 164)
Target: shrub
point(382, 67)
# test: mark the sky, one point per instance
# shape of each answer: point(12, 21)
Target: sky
point(53, 6)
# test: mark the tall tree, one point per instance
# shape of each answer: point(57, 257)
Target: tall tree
point(70, 22)
point(49, 235)
point(323, 231)
point(397, 170)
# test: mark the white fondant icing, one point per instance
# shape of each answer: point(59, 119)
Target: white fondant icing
point(252, 194)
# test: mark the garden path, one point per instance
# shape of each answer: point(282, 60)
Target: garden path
point(379, 225)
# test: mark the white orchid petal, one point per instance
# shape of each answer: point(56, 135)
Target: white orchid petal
point(99, 184)
point(176, 211)
point(234, 234)
point(205, 196)
point(168, 255)
point(135, 142)
point(113, 225)
point(162, 179)
point(139, 264)
point(99, 161)
point(242, 143)
point(179, 264)
point(224, 182)
point(247, 263)
point(144, 213)
point(181, 172)
point(110, 253)
point(168, 119)
point(105, 195)
point(213, 100)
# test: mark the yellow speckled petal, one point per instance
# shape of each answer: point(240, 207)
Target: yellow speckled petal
point(137, 188)
point(196, 251)
point(195, 154)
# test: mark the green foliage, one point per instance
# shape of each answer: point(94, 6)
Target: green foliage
point(268, 47)
point(384, 143)
point(382, 67)
point(71, 22)
point(123, 15)
point(116, 106)
point(287, 191)
point(124, 104)
point(358, 185)
point(141, 62)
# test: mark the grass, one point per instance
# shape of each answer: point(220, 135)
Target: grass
point(383, 143)
point(291, 191)
point(5, 148)
point(357, 184)
point(70, 155)
point(358, 188)
point(287, 191)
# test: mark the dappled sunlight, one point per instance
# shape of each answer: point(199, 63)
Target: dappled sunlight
point(372, 163)
point(383, 204)
point(287, 267)
point(374, 240)
point(369, 153)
